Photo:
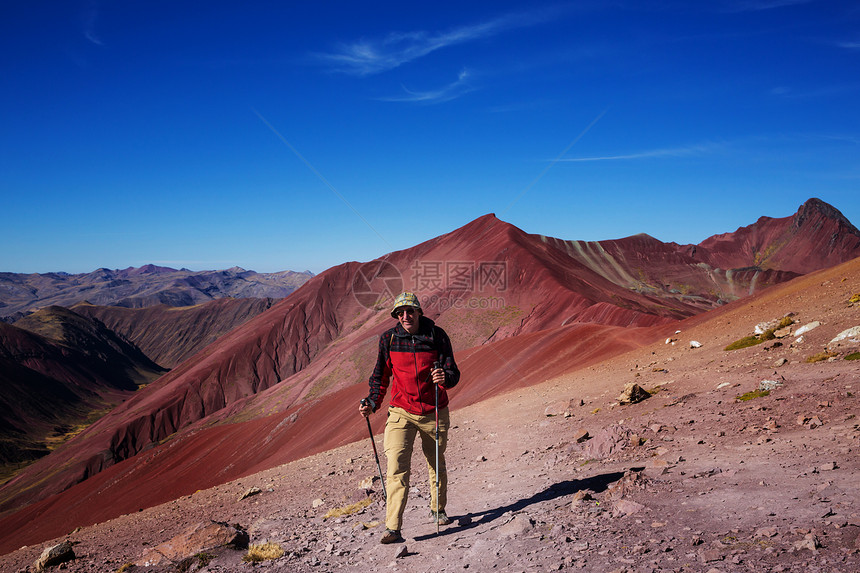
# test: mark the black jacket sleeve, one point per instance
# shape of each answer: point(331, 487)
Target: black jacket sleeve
point(381, 375)
point(446, 357)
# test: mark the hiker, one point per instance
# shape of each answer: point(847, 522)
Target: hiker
point(407, 354)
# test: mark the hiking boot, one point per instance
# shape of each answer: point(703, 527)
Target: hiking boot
point(391, 536)
point(441, 518)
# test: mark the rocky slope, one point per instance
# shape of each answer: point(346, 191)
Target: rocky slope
point(691, 479)
point(169, 335)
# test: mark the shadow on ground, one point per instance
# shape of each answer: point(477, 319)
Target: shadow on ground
point(596, 484)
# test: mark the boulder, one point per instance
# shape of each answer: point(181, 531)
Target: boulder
point(519, 525)
point(560, 408)
point(253, 490)
point(852, 332)
point(806, 328)
point(769, 385)
point(54, 555)
point(201, 537)
point(624, 507)
point(606, 442)
point(810, 542)
point(581, 435)
point(633, 393)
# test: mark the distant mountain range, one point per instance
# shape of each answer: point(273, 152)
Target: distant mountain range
point(519, 308)
point(141, 287)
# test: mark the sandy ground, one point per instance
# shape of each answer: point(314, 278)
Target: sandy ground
point(691, 479)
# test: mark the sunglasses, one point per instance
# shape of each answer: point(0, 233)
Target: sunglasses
point(407, 311)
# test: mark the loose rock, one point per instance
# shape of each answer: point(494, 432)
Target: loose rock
point(632, 394)
point(197, 538)
point(810, 541)
point(581, 435)
point(55, 555)
point(852, 332)
point(249, 492)
point(806, 328)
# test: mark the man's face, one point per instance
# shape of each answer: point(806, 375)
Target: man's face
point(408, 317)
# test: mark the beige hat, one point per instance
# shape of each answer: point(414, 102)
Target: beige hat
point(405, 299)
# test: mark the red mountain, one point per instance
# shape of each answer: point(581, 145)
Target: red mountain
point(519, 308)
point(817, 236)
point(56, 369)
point(169, 334)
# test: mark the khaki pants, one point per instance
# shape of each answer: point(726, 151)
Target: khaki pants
point(400, 431)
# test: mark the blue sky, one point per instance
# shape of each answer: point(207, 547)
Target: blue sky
point(300, 135)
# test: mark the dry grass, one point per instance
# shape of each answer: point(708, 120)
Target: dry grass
point(348, 509)
point(827, 354)
point(263, 552)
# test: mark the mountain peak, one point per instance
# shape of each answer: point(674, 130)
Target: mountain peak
point(815, 206)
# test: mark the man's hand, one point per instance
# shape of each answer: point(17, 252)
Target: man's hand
point(438, 376)
point(364, 408)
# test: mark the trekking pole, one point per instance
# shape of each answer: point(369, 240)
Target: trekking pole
point(364, 402)
point(436, 386)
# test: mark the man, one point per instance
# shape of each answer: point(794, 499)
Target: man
point(407, 354)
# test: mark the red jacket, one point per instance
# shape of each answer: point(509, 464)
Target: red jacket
point(405, 361)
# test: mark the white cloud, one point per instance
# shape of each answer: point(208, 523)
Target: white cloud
point(692, 150)
point(759, 5)
point(367, 57)
point(446, 93)
point(90, 18)
point(817, 92)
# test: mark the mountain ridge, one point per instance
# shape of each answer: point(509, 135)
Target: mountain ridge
point(313, 345)
point(139, 287)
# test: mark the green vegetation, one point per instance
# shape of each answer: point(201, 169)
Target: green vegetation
point(744, 342)
point(64, 433)
point(768, 334)
point(752, 394)
point(70, 425)
point(263, 552)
